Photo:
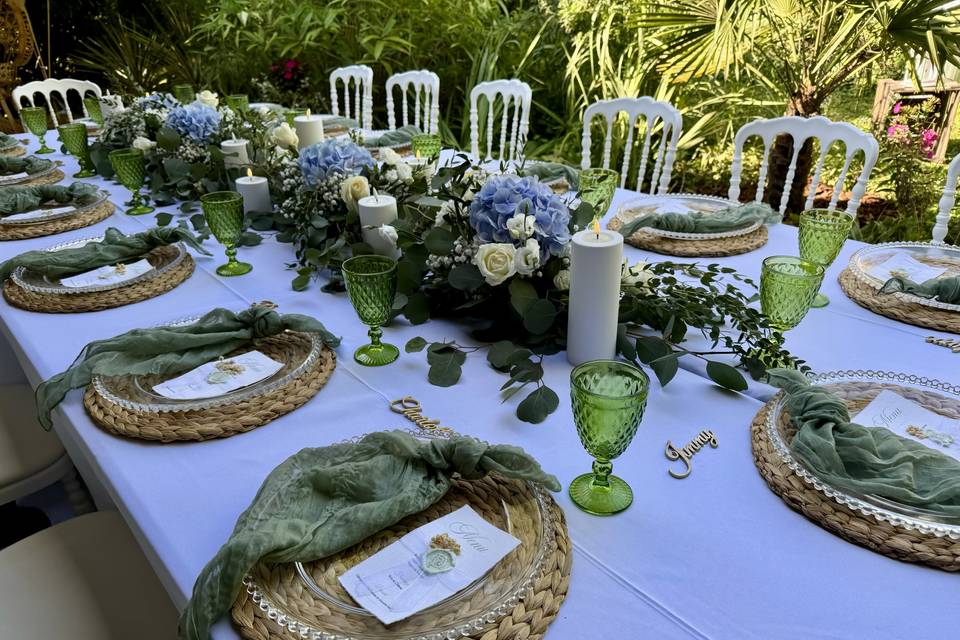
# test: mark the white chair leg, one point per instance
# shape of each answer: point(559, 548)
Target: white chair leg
point(77, 493)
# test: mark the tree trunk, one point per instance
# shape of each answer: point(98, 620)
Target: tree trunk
point(804, 103)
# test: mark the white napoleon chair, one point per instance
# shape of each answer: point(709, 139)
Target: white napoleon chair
point(426, 110)
point(656, 117)
point(802, 129)
point(510, 92)
point(53, 87)
point(947, 200)
point(362, 78)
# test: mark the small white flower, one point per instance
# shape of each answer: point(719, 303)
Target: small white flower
point(635, 276)
point(404, 172)
point(562, 280)
point(447, 211)
point(468, 195)
point(527, 258)
point(285, 136)
point(352, 189)
point(521, 226)
point(391, 175)
point(389, 234)
point(144, 144)
point(208, 98)
point(389, 156)
point(496, 262)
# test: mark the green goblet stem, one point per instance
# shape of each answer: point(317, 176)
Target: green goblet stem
point(35, 120)
point(75, 138)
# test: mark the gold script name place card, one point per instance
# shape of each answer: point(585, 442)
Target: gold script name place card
point(409, 407)
point(686, 454)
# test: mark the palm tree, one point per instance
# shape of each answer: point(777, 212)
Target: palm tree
point(802, 49)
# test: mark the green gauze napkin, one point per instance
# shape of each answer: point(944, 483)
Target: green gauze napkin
point(403, 135)
point(728, 219)
point(339, 122)
point(171, 350)
point(6, 140)
point(550, 171)
point(115, 247)
point(30, 164)
point(943, 289)
point(321, 501)
point(20, 199)
point(868, 460)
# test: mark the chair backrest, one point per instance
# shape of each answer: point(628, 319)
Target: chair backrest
point(362, 77)
point(654, 114)
point(801, 129)
point(59, 87)
point(426, 111)
point(510, 92)
point(947, 200)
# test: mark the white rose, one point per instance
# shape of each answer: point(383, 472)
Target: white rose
point(496, 261)
point(352, 189)
point(404, 172)
point(285, 136)
point(635, 276)
point(389, 234)
point(521, 226)
point(389, 156)
point(391, 176)
point(562, 280)
point(208, 98)
point(144, 144)
point(528, 258)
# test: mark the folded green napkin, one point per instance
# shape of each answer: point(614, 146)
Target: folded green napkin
point(29, 164)
point(868, 460)
point(321, 501)
point(403, 135)
point(943, 289)
point(171, 350)
point(6, 140)
point(550, 171)
point(729, 219)
point(113, 248)
point(339, 122)
point(28, 198)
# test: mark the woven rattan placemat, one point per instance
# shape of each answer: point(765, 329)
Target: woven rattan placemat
point(13, 151)
point(227, 420)
point(891, 540)
point(716, 248)
point(53, 177)
point(99, 300)
point(85, 218)
point(894, 307)
point(526, 619)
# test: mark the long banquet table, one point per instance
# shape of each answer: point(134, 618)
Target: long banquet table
point(714, 556)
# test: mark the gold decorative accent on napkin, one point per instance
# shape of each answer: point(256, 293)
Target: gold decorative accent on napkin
point(686, 453)
point(444, 541)
point(409, 407)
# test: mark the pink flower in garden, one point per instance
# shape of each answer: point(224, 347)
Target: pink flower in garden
point(292, 64)
point(898, 131)
point(287, 75)
point(929, 137)
point(897, 107)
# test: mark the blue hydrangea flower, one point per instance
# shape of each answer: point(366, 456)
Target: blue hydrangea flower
point(333, 156)
point(195, 121)
point(157, 102)
point(501, 197)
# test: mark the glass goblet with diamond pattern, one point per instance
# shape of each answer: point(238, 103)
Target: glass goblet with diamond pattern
point(372, 284)
point(597, 187)
point(184, 93)
point(223, 211)
point(609, 398)
point(238, 101)
point(35, 121)
point(75, 139)
point(128, 165)
point(787, 288)
point(92, 106)
point(822, 234)
point(426, 145)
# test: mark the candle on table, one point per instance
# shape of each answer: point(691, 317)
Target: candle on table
point(595, 262)
point(376, 211)
point(309, 129)
point(255, 191)
point(234, 152)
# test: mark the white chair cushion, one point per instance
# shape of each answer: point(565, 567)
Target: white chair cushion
point(84, 579)
point(25, 448)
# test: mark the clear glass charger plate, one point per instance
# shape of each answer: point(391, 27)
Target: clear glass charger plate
point(135, 393)
point(648, 204)
point(466, 612)
point(935, 255)
point(857, 389)
point(8, 181)
point(101, 198)
point(39, 283)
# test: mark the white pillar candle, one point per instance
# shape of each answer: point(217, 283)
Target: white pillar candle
point(376, 211)
point(309, 129)
point(234, 152)
point(595, 262)
point(255, 191)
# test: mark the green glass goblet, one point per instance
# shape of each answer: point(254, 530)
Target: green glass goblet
point(609, 398)
point(92, 106)
point(597, 187)
point(223, 211)
point(128, 165)
point(822, 234)
point(787, 288)
point(35, 120)
point(184, 93)
point(371, 284)
point(238, 101)
point(426, 146)
point(290, 114)
point(75, 138)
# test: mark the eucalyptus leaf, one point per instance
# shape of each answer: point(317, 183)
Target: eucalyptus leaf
point(439, 241)
point(666, 367)
point(445, 369)
point(522, 295)
point(417, 310)
point(726, 376)
point(163, 219)
point(539, 316)
point(415, 345)
point(465, 277)
point(538, 405)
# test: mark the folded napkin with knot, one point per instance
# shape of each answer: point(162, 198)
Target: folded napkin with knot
point(113, 248)
point(170, 350)
point(29, 164)
point(550, 171)
point(321, 501)
point(334, 123)
point(727, 219)
point(943, 289)
point(27, 198)
point(868, 460)
point(401, 136)
point(6, 140)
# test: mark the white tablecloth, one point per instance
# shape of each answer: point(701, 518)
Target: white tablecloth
point(714, 556)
